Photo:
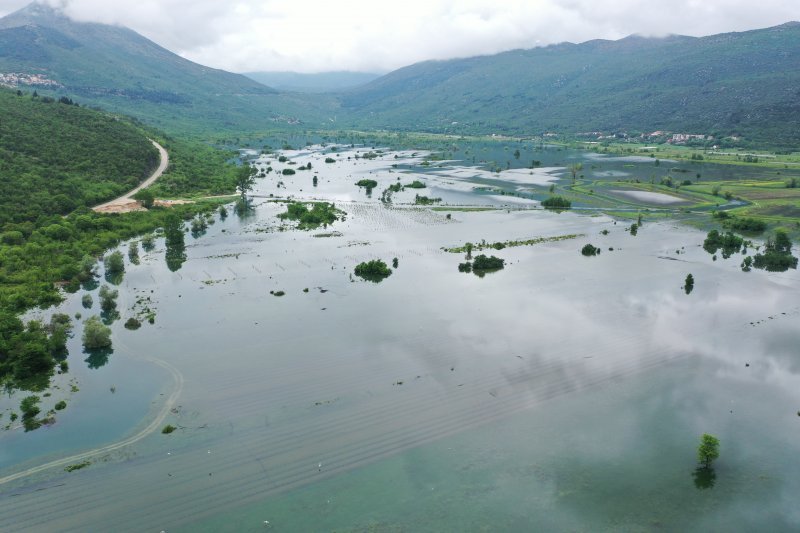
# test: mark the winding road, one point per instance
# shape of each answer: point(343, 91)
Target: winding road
point(125, 202)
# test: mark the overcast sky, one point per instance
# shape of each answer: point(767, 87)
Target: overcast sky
point(381, 35)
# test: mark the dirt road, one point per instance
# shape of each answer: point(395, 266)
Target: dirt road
point(126, 202)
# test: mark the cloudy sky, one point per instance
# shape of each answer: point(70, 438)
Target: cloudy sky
point(381, 35)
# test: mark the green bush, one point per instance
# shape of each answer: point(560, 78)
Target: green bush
point(556, 202)
point(375, 270)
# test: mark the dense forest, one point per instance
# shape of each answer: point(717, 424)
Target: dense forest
point(56, 156)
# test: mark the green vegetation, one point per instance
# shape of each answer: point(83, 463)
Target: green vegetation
point(369, 184)
point(320, 214)
point(728, 242)
point(468, 247)
point(96, 335)
point(588, 250)
point(777, 256)
point(114, 263)
point(708, 450)
point(556, 202)
point(29, 352)
point(688, 285)
point(60, 406)
point(245, 179)
point(29, 406)
point(169, 428)
point(288, 172)
point(133, 323)
point(77, 466)
point(330, 160)
point(416, 184)
point(482, 262)
point(375, 270)
point(424, 200)
point(56, 158)
point(145, 197)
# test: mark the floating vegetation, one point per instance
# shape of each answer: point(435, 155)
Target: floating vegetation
point(556, 202)
point(510, 244)
point(424, 200)
point(728, 242)
point(482, 264)
point(319, 214)
point(777, 256)
point(589, 250)
point(77, 466)
point(375, 270)
point(688, 285)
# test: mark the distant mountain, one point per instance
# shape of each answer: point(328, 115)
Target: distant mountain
point(313, 83)
point(118, 68)
point(737, 83)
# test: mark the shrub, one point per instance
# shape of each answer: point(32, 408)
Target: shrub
point(96, 334)
point(589, 250)
point(556, 202)
point(169, 428)
point(482, 262)
point(133, 324)
point(375, 270)
point(114, 263)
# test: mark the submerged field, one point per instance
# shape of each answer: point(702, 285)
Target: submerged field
point(561, 392)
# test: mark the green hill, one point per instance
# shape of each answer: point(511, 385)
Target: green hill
point(117, 68)
point(737, 83)
point(55, 157)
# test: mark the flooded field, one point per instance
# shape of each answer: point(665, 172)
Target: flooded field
point(562, 392)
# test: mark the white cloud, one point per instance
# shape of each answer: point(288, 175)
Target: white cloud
point(370, 35)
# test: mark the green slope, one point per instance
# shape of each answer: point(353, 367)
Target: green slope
point(55, 157)
point(119, 69)
point(739, 83)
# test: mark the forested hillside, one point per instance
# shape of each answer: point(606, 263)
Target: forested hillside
point(743, 84)
point(55, 157)
point(120, 70)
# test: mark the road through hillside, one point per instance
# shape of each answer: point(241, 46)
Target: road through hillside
point(127, 198)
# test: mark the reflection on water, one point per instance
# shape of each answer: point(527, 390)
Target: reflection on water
point(704, 477)
point(557, 393)
point(98, 357)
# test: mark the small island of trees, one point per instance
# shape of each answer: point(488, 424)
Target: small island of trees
point(590, 250)
point(556, 202)
point(319, 214)
point(375, 270)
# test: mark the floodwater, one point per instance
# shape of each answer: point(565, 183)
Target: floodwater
point(560, 393)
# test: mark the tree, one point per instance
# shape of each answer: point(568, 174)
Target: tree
point(708, 449)
point(689, 284)
point(245, 179)
point(95, 334)
point(115, 264)
point(574, 169)
point(145, 197)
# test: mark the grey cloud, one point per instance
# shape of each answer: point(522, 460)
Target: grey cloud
point(319, 35)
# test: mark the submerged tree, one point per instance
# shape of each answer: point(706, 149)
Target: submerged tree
point(689, 284)
point(708, 449)
point(245, 179)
